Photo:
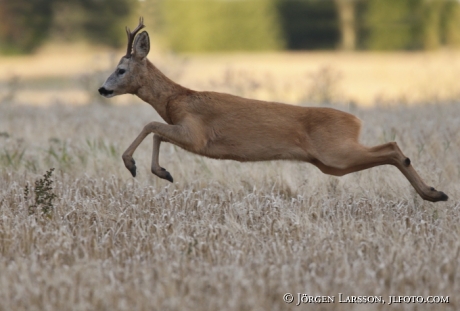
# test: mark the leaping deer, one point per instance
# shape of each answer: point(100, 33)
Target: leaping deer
point(223, 126)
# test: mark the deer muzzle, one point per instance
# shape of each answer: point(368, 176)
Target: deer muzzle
point(105, 92)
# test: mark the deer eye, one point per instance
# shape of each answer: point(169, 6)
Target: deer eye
point(121, 71)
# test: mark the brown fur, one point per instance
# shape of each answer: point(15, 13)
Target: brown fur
point(223, 126)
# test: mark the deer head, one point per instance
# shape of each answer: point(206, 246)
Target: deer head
point(132, 67)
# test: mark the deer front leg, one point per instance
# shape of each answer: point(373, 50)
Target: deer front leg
point(156, 168)
point(176, 134)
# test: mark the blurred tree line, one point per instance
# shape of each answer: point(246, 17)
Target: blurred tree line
point(216, 25)
point(26, 24)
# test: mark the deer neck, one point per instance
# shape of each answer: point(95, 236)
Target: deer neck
point(157, 89)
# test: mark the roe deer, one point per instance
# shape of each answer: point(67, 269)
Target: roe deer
point(223, 126)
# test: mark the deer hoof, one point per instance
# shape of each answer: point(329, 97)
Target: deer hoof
point(165, 175)
point(442, 196)
point(133, 170)
point(436, 196)
point(131, 166)
point(168, 177)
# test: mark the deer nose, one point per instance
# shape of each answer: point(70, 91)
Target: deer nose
point(104, 91)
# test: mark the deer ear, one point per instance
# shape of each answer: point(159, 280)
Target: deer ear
point(141, 46)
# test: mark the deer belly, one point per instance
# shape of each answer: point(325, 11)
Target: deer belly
point(255, 150)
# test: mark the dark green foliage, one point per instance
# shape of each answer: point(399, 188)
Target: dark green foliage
point(213, 25)
point(24, 24)
point(43, 195)
point(98, 21)
point(229, 25)
point(309, 24)
point(105, 20)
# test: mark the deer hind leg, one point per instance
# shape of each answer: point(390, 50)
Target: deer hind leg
point(156, 168)
point(352, 157)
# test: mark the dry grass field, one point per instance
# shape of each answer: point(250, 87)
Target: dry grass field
point(224, 235)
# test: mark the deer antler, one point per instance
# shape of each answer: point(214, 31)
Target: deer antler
point(131, 35)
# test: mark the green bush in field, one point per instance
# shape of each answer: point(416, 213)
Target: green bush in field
point(209, 25)
point(43, 194)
